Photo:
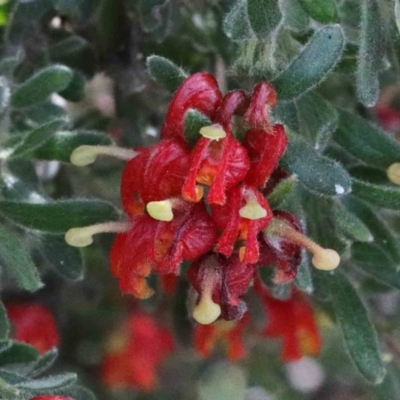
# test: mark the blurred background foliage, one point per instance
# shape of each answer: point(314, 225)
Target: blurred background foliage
point(74, 72)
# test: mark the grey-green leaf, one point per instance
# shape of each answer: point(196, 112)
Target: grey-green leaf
point(65, 260)
point(18, 261)
point(165, 72)
point(58, 216)
point(63, 143)
point(49, 383)
point(264, 17)
point(359, 335)
point(317, 119)
point(40, 86)
point(319, 174)
point(397, 13)
point(236, 23)
point(194, 121)
point(4, 323)
point(282, 191)
point(317, 59)
point(324, 11)
point(37, 138)
point(366, 142)
point(371, 53)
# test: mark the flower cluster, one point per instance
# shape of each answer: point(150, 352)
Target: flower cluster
point(33, 324)
point(134, 352)
point(204, 201)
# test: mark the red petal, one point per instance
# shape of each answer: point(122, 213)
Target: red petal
point(200, 92)
point(234, 102)
point(265, 149)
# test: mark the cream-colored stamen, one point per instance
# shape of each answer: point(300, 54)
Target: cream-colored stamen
point(324, 259)
point(213, 132)
point(160, 210)
point(393, 173)
point(85, 155)
point(82, 237)
point(252, 210)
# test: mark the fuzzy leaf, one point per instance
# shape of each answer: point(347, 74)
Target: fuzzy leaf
point(65, 260)
point(264, 17)
point(18, 353)
point(165, 72)
point(5, 95)
point(76, 9)
point(222, 381)
point(317, 59)
point(18, 261)
point(63, 143)
point(78, 393)
point(282, 191)
point(317, 118)
point(389, 388)
point(44, 362)
point(37, 138)
point(371, 53)
point(351, 224)
point(41, 85)
point(303, 278)
point(324, 11)
point(58, 216)
point(75, 91)
point(382, 234)
point(294, 16)
point(358, 333)
point(194, 121)
point(236, 23)
point(50, 383)
point(365, 141)
point(397, 13)
point(4, 323)
point(65, 47)
point(150, 13)
point(373, 186)
point(318, 173)
point(375, 262)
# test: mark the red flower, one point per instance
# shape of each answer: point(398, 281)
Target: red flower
point(293, 322)
point(220, 282)
point(134, 353)
point(33, 324)
point(156, 173)
point(226, 333)
point(243, 217)
point(160, 245)
point(199, 92)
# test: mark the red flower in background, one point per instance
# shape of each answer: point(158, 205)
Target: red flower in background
point(292, 321)
point(33, 324)
point(51, 398)
point(134, 353)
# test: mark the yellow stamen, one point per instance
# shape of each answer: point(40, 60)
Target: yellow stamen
point(160, 210)
point(242, 252)
point(252, 210)
point(393, 173)
point(324, 259)
point(82, 237)
point(206, 311)
point(85, 155)
point(199, 193)
point(213, 132)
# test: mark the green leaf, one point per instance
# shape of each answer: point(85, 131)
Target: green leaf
point(389, 388)
point(383, 235)
point(44, 362)
point(375, 262)
point(5, 95)
point(236, 23)
point(50, 383)
point(222, 381)
point(67, 46)
point(373, 186)
point(18, 353)
point(58, 216)
point(151, 13)
point(282, 191)
point(303, 278)
point(351, 224)
point(41, 85)
point(397, 13)
point(76, 9)
point(358, 333)
point(264, 17)
point(18, 261)
point(294, 16)
point(4, 323)
point(37, 138)
point(324, 11)
point(165, 72)
point(78, 393)
point(194, 121)
point(318, 173)
point(63, 143)
point(317, 118)
point(371, 52)
point(75, 91)
point(65, 260)
point(366, 142)
point(317, 59)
